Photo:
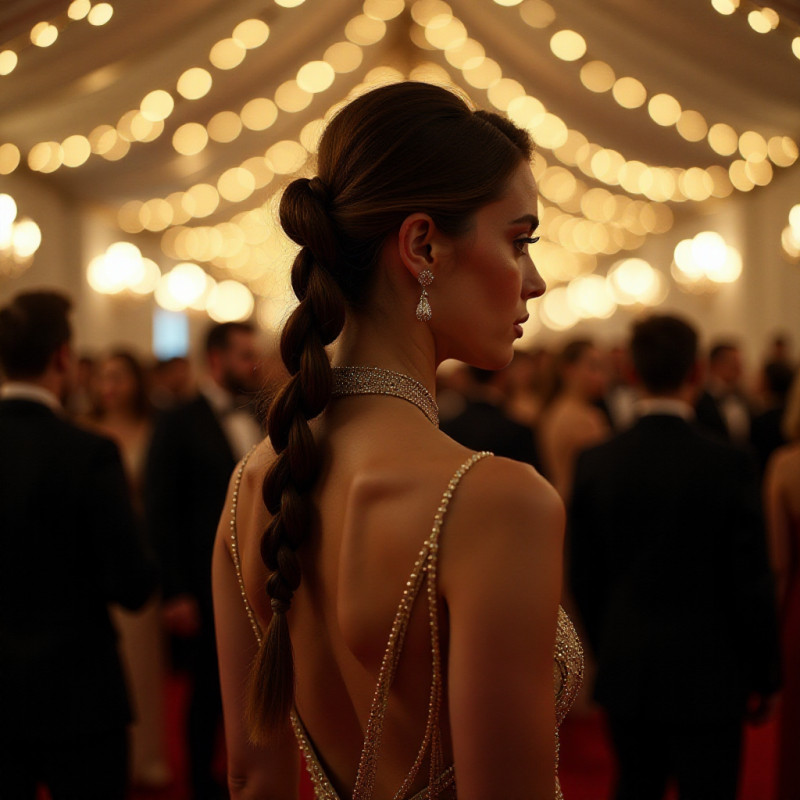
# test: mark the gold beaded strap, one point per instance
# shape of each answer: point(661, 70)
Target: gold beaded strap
point(424, 567)
point(237, 561)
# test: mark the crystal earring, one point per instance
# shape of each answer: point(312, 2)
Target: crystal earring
point(424, 307)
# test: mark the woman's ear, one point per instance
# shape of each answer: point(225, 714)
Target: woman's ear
point(414, 243)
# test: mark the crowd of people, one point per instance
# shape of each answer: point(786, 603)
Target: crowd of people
point(305, 592)
point(609, 431)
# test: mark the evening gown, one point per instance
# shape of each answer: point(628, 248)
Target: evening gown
point(567, 674)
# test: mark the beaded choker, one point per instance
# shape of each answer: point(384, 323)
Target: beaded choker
point(376, 380)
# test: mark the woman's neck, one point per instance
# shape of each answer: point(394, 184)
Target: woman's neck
point(364, 343)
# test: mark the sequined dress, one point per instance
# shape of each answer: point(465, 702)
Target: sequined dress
point(567, 674)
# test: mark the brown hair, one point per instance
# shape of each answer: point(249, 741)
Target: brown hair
point(404, 148)
point(33, 326)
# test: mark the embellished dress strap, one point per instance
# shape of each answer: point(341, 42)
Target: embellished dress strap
point(234, 540)
point(425, 567)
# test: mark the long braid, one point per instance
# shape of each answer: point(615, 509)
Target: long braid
point(315, 323)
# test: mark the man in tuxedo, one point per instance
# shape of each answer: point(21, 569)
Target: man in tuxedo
point(669, 571)
point(484, 425)
point(722, 407)
point(194, 450)
point(70, 547)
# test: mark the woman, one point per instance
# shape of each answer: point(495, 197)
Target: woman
point(414, 242)
point(571, 422)
point(782, 487)
point(123, 414)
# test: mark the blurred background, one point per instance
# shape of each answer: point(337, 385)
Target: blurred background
point(144, 147)
point(137, 138)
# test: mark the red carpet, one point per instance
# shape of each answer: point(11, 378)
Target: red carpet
point(587, 767)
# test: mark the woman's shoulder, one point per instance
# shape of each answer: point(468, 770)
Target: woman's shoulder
point(505, 504)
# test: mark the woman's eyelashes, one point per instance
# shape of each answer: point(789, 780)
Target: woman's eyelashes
point(522, 244)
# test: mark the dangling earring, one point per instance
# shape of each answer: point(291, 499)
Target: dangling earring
point(425, 279)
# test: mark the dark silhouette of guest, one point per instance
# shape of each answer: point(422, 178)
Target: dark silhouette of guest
point(670, 573)
point(70, 547)
point(722, 407)
point(194, 449)
point(123, 413)
point(484, 425)
point(766, 434)
point(782, 491)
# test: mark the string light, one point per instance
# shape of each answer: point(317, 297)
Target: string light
point(20, 238)
point(762, 19)
point(234, 185)
point(46, 32)
point(599, 77)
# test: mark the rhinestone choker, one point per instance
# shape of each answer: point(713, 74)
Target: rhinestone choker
point(376, 380)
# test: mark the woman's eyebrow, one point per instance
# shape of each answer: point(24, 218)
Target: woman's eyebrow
point(532, 219)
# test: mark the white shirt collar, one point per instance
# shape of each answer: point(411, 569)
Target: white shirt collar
point(20, 390)
point(220, 400)
point(664, 405)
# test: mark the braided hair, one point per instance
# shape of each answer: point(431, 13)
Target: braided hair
point(396, 150)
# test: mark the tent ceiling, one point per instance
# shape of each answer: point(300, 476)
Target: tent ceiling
point(90, 76)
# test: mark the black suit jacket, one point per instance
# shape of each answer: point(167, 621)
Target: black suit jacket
point(483, 426)
point(669, 570)
point(70, 547)
point(188, 469)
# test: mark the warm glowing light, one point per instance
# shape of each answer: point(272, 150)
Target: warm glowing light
point(384, 9)
point(692, 126)
point(100, 14)
point(290, 97)
point(251, 33)
point(224, 126)
point(143, 130)
point(157, 105)
point(782, 151)
point(151, 275)
point(526, 111)
point(760, 172)
point(259, 114)
point(344, 56)
point(664, 109)
point(588, 296)
point(739, 177)
point(364, 30)
point(183, 285)
point(230, 301)
point(597, 76)
point(725, 6)
point(8, 211)
point(537, 13)
point(286, 157)
point(194, 83)
point(488, 72)
point(43, 34)
point(190, 139)
point(568, 45)
point(25, 238)
point(227, 54)
point(45, 157)
point(708, 250)
point(78, 9)
point(467, 55)
point(633, 281)
point(759, 22)
point(156, 214)
point(76, 150)
point(311, 134)
point(236, 184)
point(629, 92)
point(8, 61)
point(752, 146)
point(316, 76)
point(9, 158)
point(555, 310)
point(504, 91)
point(289, 3)
point(201, 200)
point(723, 139)
point(445, 31)
point(796, 46)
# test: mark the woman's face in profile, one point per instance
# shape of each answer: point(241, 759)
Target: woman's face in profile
point(488, 278)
